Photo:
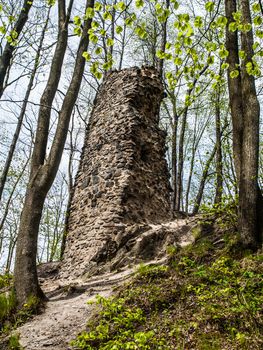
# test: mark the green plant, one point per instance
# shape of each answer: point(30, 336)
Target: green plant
point(5, 280)
point(7, 305)
point(30, 308)
point(13, 342)
point(151, 271)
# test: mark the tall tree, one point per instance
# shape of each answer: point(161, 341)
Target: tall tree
point(44, 166)
point(245, 113)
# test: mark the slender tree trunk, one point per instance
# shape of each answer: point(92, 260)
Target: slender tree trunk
point(179, 177)
point(234, 86)
point(219, 163)
point(22, 112)
point(8, 202)
point(43, 172)
point(6, 57)
point(174, 126)
point(199, 196)
point(160, 62)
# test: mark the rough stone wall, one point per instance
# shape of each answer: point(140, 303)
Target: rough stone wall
point(123, 182)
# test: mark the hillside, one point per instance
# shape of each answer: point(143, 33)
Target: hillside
point(204, 295)
point(208, 296)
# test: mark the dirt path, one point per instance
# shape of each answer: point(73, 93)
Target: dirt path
point(67, 311)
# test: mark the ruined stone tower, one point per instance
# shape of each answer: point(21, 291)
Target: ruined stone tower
point(123, 182)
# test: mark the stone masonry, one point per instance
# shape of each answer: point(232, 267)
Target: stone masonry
point(122, 184)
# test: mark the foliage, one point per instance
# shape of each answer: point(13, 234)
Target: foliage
point(7, 305)
point(206, 298)
point(13, 343)
point(10, 316)
point(117, 329)
point(5, 280)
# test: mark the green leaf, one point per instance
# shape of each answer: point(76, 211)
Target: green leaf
point(107, 65)
point(119, 29)
point(120, 6)
point(209, 6)
point(103, 32)
point(89, 12)
point(256, 7)
point(77, 21)
point(221, 21)
point(237, 15)
point(77, 31)
point(225, 66)
point(233, 26)
point(98, 75)
point(95, 24)
point(223, 52)
point(198, 23)
point(247, 27)
point(234, 74)
point(94, 67)
point(189, 31)
point(129, 20)
point(175, 3)
point(51, 2)
point(107, 16)
point(210, 60)
point(257, 21)
point(2, 29)
point(259, 33)
point(93, 38)
point(256, 45)
point(141, 32)
point(97, 6)
point(242, 54)
point(86, 55)
point(178, 61)
point(139, 3)
point(109, 42)
point(98, 51)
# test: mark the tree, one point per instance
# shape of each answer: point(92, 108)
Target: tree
point(44, 166)
point(245, 113)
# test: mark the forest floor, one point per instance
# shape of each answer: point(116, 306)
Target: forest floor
point(68, 309)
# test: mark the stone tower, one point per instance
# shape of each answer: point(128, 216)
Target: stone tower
point(122, 183)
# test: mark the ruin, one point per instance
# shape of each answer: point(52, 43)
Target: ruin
point(122, 184)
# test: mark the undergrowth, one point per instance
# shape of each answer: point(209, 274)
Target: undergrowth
point(210, 296)
point(10, 316)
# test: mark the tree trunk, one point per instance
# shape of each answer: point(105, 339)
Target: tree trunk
point(160, 61)
point(245, 120)
point(219, 164)
point(234, 87)
point(199, 195)
point(248, 191)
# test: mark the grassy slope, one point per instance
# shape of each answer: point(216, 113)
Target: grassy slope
point(209, 296)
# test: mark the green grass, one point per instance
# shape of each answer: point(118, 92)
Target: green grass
point(206, 298)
